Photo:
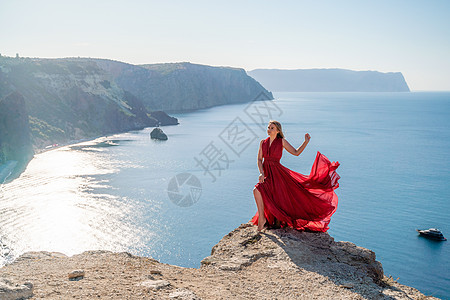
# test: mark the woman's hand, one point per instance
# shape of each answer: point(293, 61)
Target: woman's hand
point(307, 137)
point(261, 178)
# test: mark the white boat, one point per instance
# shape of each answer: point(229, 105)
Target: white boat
point(432, 233)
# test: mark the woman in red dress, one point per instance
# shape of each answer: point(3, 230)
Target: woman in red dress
point(289, 198)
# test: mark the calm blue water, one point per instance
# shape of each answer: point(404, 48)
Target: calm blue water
point(394, 155)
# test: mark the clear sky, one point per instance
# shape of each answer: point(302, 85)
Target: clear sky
point(408, 36)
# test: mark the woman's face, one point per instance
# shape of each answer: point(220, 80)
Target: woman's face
point(272, 130)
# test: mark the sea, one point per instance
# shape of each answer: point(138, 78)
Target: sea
point(174, 200)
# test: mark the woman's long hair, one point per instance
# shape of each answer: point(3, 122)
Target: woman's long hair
point(278, 126)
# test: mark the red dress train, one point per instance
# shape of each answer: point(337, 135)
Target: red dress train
point(298, 201)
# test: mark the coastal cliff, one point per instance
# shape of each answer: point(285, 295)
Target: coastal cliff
point(72, 99)
point(77, 98)
point(177, 87)
point(330, 80)
point(69, 99)
point(15, 141)
point(245, 264)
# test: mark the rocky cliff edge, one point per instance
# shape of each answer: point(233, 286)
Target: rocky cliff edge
point(245, 264)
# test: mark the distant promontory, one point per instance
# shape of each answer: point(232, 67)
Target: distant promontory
point(329, 80)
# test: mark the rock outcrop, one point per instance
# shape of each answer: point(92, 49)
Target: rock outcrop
point(311, 250)
point(158, 134)
point(245, 264)
point(330, 80)
point(14, 291)
point(163, 119)
point(15, 141)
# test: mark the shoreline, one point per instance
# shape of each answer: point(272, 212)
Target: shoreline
point(6, 170)
point(19, 167)
point(71, 143)
point(57, 146)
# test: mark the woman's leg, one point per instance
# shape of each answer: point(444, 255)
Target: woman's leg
point(260, 205)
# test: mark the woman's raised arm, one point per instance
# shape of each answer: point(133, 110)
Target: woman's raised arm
point(300, 149)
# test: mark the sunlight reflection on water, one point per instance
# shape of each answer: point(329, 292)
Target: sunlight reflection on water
point(56, 205)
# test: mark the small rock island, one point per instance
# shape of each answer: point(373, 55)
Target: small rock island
point(158, 134)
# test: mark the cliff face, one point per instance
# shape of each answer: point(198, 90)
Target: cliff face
point(70, 100)
point(15, 142)
point(184, 86)
point(77, 98)
point(245, 264)
point(330, 80)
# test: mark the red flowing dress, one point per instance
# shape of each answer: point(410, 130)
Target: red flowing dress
point(298, 201)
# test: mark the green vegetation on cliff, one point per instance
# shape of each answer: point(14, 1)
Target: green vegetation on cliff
point(43, 132)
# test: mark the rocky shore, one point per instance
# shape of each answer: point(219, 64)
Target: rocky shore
point(245, 264)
